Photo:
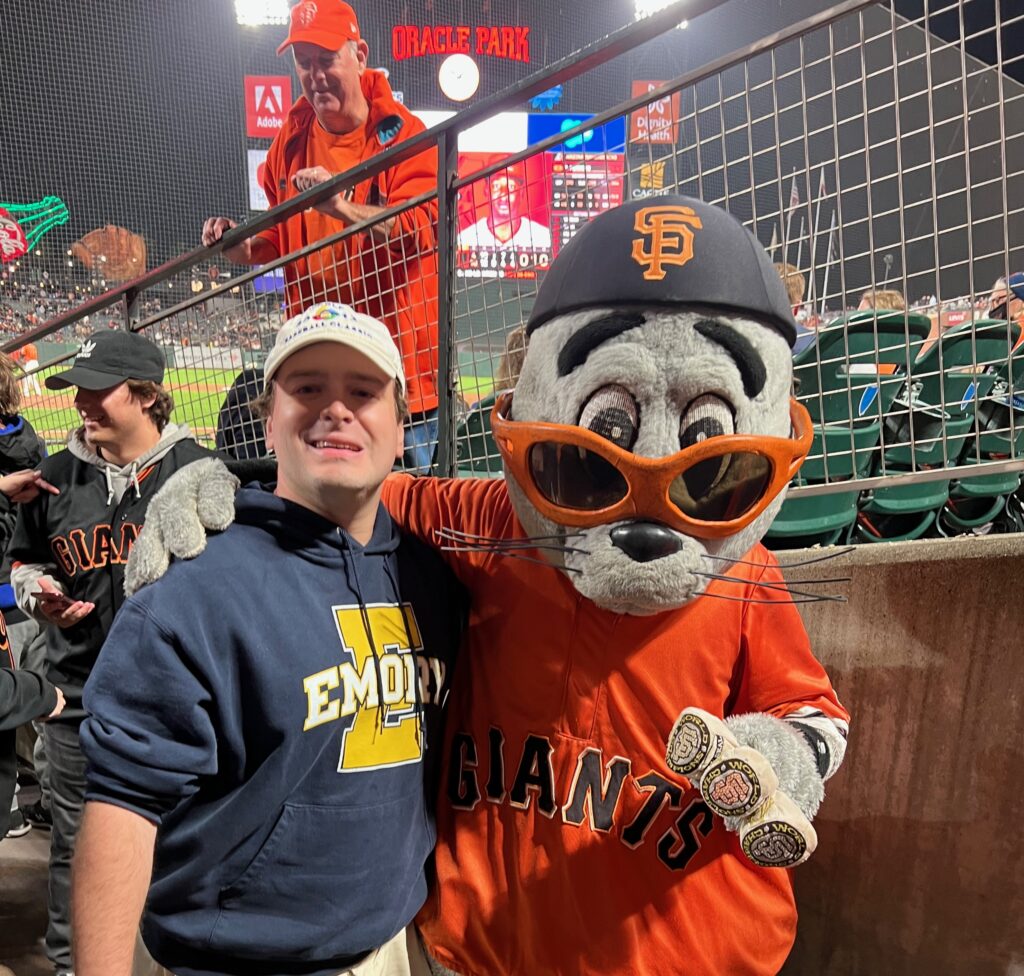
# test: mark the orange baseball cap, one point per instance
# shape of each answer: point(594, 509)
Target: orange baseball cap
point(325, 23)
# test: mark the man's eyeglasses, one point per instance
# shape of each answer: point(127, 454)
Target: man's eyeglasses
point(709, 490)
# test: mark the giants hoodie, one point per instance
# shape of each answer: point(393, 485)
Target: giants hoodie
point(80, 540)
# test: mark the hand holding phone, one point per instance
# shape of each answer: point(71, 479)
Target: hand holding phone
point(59, 608)
point(53, 599)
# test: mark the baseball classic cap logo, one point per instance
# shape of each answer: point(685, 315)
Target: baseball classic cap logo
point(307, 13)
point(88, 347)
point(324, 313)
point(667, 238)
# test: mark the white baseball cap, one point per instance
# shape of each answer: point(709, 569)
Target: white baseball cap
point(334, 322)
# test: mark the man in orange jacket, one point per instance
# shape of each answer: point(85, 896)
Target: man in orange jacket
point(346, 114)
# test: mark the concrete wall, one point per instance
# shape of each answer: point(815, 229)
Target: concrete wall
point(918, 868)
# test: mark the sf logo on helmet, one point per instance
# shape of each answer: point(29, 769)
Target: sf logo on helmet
point(669, 233)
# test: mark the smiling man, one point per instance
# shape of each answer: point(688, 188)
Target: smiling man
point(69, 551)
point(263, 717)
point(347, 113)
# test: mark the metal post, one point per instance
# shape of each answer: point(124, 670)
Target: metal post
point(447, 173)
point(130, 307)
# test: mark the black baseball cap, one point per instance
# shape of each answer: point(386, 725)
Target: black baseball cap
point(667, 250)
point(111, 357)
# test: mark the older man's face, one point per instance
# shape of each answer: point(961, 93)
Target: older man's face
point(330, 81)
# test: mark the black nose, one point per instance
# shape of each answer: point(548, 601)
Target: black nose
point(644, 541)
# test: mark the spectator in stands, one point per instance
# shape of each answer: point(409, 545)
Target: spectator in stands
point(506, 224)
point(21, 449)
point(239, 431)
point(194, 725)
point(25, 695)
point(882, 300)
point(1007, 299)
point(511, 363)
point(346, 115)
point(69, 550)
point(27, 357)
point(796, 283)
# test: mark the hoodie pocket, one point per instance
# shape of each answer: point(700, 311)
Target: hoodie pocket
point(328, 882)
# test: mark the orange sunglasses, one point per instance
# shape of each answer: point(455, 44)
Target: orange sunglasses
point(709, 490)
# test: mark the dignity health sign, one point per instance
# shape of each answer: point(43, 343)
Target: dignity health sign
point(658, 121)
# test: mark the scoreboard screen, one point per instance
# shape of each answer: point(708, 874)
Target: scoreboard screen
point(513, 222)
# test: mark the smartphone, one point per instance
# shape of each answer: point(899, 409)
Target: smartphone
point(58, 601)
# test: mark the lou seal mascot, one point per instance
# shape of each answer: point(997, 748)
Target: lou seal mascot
point(622, 602)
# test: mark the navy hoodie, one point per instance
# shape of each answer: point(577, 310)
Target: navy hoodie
point(236, 703)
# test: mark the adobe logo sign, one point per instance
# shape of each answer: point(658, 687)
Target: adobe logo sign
point(267, 100)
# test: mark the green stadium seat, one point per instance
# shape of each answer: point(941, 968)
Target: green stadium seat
point(1001, 413)
point(825, 519)
point(904, 527)
point(858, 365)
point(930, 421)
point(900, 513)
point(818, 520)
point(847, 380)
point(930, 425)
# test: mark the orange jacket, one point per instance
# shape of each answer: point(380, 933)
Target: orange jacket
point(565, 844)
point(396, 281)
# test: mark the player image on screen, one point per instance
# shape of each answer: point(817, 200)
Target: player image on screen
point(506, 224)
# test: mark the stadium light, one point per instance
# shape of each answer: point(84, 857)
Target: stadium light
point(260, 13)
point(644, 8)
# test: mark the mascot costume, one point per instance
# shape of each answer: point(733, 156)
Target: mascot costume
point(622, 605)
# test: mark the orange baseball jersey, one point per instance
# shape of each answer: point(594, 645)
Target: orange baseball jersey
point(394, 282)
point(566, 846)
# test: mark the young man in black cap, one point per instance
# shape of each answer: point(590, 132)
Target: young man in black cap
point(69, 551)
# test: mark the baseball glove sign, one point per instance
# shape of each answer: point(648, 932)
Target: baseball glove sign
point(111, 251)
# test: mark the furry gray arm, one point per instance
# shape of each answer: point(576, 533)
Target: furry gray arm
point(199, 498)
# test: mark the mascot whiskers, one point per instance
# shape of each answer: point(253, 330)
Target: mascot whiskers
point(638, 733)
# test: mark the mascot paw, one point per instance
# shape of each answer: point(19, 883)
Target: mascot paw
point(215, 498)
point(197, 499)
point(697, 740)
point(777, 835)
point(738, 783)
point(148, 559)
point(733, 779)
point(739, 766)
